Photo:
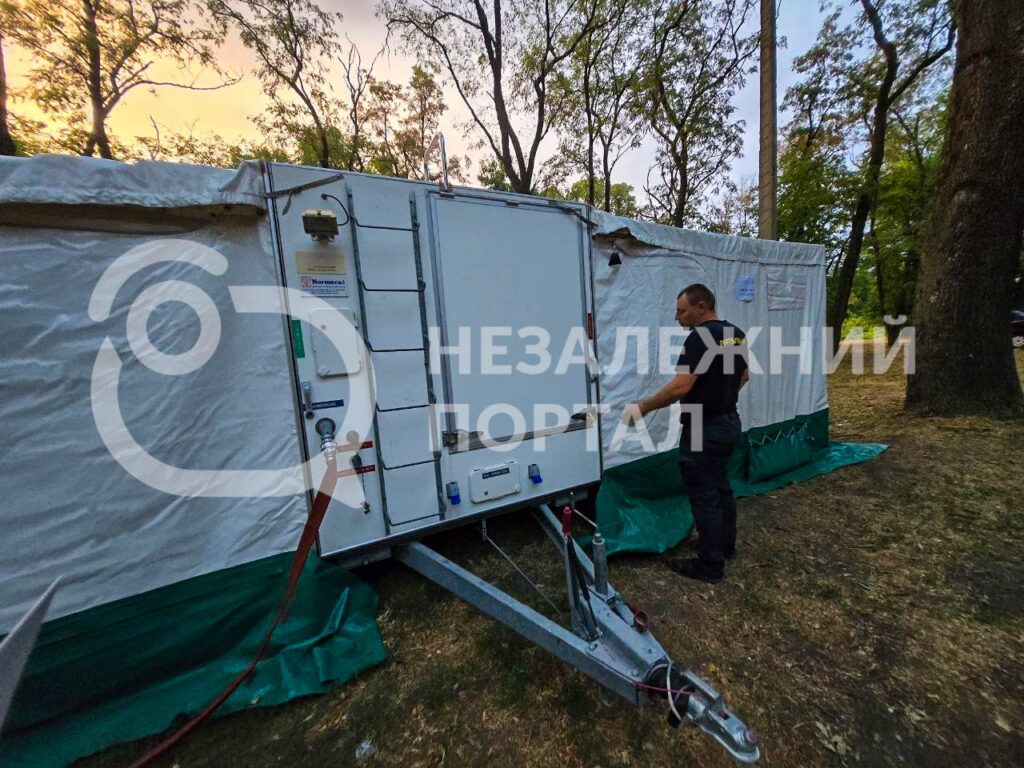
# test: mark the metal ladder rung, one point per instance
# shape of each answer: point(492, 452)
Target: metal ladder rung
point(410, 464)
point(396, 349)
point(420, 290)
point(422, 287)
point(400, 408)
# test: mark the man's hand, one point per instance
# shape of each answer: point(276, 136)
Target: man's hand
point(633, 415)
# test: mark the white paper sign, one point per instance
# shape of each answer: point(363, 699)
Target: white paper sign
point(744, 288)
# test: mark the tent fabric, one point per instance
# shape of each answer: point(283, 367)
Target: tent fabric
point(69, 509)
point(773, 291)
point(779, 453)
point(127, 669)
point(70, 180)
point(642, 506)
point(706, 244)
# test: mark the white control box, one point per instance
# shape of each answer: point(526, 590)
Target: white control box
point(495, 481)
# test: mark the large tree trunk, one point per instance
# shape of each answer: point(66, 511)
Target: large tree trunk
point(6, 141)
point(767, 194)
point(964, 359)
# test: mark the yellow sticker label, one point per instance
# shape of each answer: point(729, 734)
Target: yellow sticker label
point(320, 262)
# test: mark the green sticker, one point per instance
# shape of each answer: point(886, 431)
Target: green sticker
point(297, 345)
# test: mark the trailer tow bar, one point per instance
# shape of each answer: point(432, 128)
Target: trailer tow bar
point(606, 641)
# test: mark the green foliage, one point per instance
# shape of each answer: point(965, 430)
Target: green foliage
point(87, 55)
point(492, 176)
point(294, 41)
point(824, 161)
point(402, 122)
point(211, 150)
point(698, 59)
point(602, 119)
point(735, 213)
point(623, 196)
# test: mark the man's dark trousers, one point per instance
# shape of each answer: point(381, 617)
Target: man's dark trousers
point(705, 477)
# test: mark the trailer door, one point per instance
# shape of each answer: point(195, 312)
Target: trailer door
point(512, 281)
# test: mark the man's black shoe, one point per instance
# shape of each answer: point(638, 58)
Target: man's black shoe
point(693, 544)
point(694, 569)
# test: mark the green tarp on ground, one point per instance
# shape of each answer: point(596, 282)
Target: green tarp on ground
point(127, 669)
point(642, 505)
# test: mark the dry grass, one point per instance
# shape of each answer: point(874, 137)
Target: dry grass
point(873, 616)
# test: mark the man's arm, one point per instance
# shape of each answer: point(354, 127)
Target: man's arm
point(672, 392)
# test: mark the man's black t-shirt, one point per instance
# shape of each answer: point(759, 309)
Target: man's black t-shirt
point(716, 351)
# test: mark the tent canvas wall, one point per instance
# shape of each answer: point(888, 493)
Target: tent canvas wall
point(758, 284)
point(775, 291)
point(162, 597)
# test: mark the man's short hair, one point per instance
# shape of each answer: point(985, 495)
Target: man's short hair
point(698, 292)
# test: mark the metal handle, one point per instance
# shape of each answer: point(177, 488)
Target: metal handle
point(437, 143)
point(307, 398)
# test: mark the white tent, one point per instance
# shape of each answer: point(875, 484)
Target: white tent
point(68, 509)
point(640, 267)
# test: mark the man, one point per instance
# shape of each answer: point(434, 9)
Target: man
point(710, 373)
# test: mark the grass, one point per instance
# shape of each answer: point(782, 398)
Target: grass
point(874, 616)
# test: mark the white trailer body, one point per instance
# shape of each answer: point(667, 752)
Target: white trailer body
point(488, 266)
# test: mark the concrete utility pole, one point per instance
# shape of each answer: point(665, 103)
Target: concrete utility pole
point(767, 186)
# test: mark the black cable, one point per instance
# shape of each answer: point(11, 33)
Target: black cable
point(349, 217)
point(580, 577)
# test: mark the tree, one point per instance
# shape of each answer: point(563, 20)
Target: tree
point(696, 63)
point(401, 123)
point(492, 176)
point(916, 33)
point(6, 140)
point(383, 114)
point(906, 198)
point(600, 85)
point(89, 54)
point(964, 359)
point(622, 197)
point(186, 147)
point(357, 82)
point(502, 60)
point(816, 186)
point(737, 213)
point(293, 40)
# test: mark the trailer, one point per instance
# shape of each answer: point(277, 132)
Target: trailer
point(445, 349)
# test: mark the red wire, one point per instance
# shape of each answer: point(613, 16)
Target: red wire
point(306, 541)
point(662, 690)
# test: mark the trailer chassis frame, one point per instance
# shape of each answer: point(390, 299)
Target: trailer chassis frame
point(607, 642)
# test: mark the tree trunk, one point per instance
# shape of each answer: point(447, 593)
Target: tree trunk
point(6, 141)
point(325, 149)
point(865, 203)
point(879, 271)
point(767, 194)
point(606, 176)
point(964, 359)
point(98, 134)
point(589, 108)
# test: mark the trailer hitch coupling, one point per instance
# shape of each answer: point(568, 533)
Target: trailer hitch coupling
point(692, 698)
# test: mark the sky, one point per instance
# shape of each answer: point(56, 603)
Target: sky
point(227, 111)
